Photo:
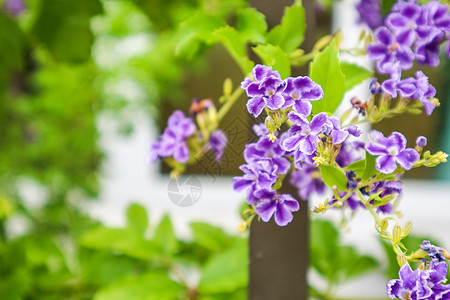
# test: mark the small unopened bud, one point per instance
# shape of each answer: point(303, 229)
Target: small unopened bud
point(384, 225)
point(375, 87)
point(227, 87)
point(396, 234)
point(406, 230)
point(421, 141)
point(441, 156)
point(242, 227)
point(270, 124)
point(386, 199)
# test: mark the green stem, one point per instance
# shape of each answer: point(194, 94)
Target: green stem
point(229, 103)
point(2, 231)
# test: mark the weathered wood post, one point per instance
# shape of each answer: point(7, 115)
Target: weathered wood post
point(279, 255)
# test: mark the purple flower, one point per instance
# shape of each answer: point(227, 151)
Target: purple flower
point(173, 141)
point(424, 91)
point(258, 175)
point(421, 141)
point(299, 91)
point(217, 143)
point(15, 7)
point(352, 202)
point(410, 17)
point(280, 206)
point(438, 15)
point(427, 50)
point(264, 91)
point(269, 151)
point(411, 285)
point(390, 48)
point(370, 13)
point(386, 188)
point(375, 87)
point(307, 180)
point(390, 151)
point(350, 152)
point(433, 252)
point(303, 135)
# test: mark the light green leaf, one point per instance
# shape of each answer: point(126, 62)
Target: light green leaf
point(196, 31)
point(369, 167)
point(210, 237)
point(290, 33)
point(353, 264)
point(137, 218)
point(165, 236)
point(357, 166)
point(147, 286)
point(332, 175)
point(354, 74)
point(227, 271)
point(251, 25)
point(273, 56)
point(325, 70)
point(235, 45)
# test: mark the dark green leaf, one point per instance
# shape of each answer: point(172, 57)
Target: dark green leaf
point(165, 236)
point(235, 45)
point(275, 57)
point(324, 244)
point(227, 271)
point(290, 33)
point(354, 74)
point(12, 44)
point(251, 25)
point(325, 70)
point(147, 286)
point(137, 219)
point(333, 176)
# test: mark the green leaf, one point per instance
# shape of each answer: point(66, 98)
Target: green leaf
point(137, 218)
point(210, 237)
point(357, 166)
point(227, 271)
point(353, 264)
point(147, 286)
point(290, 33)
point(354, 74)
point(235, 45)
point(333, 176)
point(273, 56)
point(324, 243)
point(369, 167)
point(165, 236)
point(252, 25)
point(12, 43)
point(325, 70)
point(64, 27)
point(195, 32)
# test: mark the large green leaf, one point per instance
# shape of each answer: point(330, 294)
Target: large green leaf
point(64, 27)
point(137, 218)
point(195, 32)
point(235, 45)
point(333, 176)
point(148, 286)
point(210, 237)
point(290, 33)
point(325, 70)
point(251, 25)
point(354, 74)
point(369, 167)
point(227, 271)
point(273, 56)
point(165, 236)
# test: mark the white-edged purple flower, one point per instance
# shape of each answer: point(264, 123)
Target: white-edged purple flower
point(264, 90)
point(410, 17)
point(303, 135)
point(299, 92)
point(307, 180)
point(217, 143)
point(350, 152)
point(280, 206)
point(433, 252)
point(370, 13)
point(411, 285)
point(173, 140)
point(390, 48)
point(424, 91)
point(267, 150)
point(391, 151)
point(258, 175)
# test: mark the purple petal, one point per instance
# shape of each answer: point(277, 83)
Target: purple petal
point(265, 194)
point(383, 35)
point(303, 107)
point(308, 144)
point(399, 140)
point(255, 106)
point(292, 142)
point(407, 158)
point(297, 118)
point(265, 209)
point(283, 215)
point(376, 149)
point(181, 153)
point(241, 183)
point(318, 121)
point(339, 136)
point(385, 164)
point(275, 102)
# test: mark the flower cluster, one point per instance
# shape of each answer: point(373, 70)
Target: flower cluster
point(370, 13)
point(268, 90)
point(411, 32)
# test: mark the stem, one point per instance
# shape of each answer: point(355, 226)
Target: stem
point(229, 103)
point(2, 231)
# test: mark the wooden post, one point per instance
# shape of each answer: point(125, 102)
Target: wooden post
point(279, 255)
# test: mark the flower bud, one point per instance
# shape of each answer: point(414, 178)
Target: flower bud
point(242, 227)
point(396, 234)
point(421, 141)
point(270, 124)
point(227, 87)
point(406, 230)
point(375, 87)
point(401, 259)
point(384, 225)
